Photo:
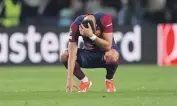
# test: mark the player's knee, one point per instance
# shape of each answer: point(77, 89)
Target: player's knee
point(64, 56)
point(111, 57)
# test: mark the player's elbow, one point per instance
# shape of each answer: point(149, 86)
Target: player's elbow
point(108, 47)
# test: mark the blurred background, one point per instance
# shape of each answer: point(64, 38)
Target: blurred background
point(139, 26)
point(61, 12)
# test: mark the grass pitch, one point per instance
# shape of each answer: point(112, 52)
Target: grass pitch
point(45, 86)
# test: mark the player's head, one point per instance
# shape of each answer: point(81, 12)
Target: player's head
point(91, 20)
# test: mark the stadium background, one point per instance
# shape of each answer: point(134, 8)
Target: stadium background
point(33, 33)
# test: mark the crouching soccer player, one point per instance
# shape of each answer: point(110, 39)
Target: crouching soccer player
point(101, 50)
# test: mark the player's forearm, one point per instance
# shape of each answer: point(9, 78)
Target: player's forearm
point(71, 65)
point(103, 43)
point(72, 49)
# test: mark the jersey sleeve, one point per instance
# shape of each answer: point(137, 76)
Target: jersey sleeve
point(106, 21)
point(74, 29)
point(73, 33)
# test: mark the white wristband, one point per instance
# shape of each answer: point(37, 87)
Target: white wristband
point(93, 37)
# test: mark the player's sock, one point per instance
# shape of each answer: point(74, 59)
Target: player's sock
point(85, 79)
point(108, 79)
point(110, 74)
point(77, 71)
point(110, 71)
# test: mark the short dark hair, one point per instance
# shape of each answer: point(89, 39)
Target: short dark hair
point(85, 24)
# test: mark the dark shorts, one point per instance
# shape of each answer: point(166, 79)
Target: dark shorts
point(92, 59)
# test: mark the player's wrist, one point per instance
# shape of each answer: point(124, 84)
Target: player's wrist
point(93, 37)
point(69, 77)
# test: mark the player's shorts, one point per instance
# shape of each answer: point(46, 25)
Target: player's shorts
point(92, 59)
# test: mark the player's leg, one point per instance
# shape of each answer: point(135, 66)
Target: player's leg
point(111, 58)
point(77, 70)
point(84, 82)
point(100, 59)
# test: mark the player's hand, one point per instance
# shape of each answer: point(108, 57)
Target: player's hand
point(70, 85)
point(87, 32)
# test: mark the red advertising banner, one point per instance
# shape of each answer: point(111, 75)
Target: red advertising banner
point(167, 44)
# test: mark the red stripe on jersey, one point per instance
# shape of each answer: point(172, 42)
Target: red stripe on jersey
point(73, 33)
point(107, 23)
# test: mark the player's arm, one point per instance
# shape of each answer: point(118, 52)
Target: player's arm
point(105, 43)
point(72, 51)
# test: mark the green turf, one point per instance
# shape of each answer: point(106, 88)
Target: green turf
point(45, 86)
